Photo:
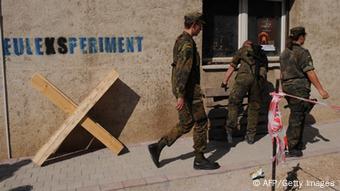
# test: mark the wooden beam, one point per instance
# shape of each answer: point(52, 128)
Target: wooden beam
point(78, 115)
point(53, 94)
point(68, 106)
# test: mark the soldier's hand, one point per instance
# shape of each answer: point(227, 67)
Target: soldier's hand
point(324, 94)
point(180, 103)
point(224, 85)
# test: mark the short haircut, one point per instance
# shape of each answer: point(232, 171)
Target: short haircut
point(188, 23)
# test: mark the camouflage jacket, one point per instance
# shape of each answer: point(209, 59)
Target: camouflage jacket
point(185, 76)
point(294, 63)
point(247, 59)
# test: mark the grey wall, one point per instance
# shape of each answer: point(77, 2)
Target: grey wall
point(140, 106)
point(137, 108)
point(321, 19)
point(322, 22)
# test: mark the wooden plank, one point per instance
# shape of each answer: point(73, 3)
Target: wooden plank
point(209, 102)
point(77, 116)
point(102, 135)
point(68, 106)
point(53, 93)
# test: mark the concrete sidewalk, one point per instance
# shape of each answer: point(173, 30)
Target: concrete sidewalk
point(101, 170)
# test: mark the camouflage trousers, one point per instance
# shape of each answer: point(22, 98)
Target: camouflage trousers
point(244, 84)
point(192, 115)
point(298, 112)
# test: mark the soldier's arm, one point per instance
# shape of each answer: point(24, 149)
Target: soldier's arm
point(308, 68)
point(183, 67)
point(237, 58)
point(232, 66)
point(315, 81)
point(306, 61)
point(228, 74)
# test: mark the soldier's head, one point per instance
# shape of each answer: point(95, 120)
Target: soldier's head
point(247, 43)
point(298, 34)
point(193, 23)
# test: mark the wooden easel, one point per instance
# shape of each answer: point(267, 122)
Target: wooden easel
point(77, 116)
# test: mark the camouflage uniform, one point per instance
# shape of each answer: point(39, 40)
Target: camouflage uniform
point(294, 63)
point(186, 83)
point(247, 81)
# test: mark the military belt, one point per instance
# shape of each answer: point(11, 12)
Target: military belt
point(291, 79)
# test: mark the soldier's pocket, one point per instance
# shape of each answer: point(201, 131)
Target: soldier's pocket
point(185, 116)
point(198, 111)
point(198, 94)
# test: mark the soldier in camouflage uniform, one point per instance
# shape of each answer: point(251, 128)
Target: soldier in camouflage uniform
point(297, 74)
point(185, 80)
point(250, 79)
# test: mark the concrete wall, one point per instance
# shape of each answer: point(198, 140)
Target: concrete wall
point(139, 107)
point(322, 22)
point(321, 19)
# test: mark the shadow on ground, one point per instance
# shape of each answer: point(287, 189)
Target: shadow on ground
point(217, 149)
point(218, 117)
point(293, 182)
point(311, 134)
point(22, 188)
point(7, 170)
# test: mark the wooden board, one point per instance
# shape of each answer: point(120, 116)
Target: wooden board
point(78, 115)
point(68, 106)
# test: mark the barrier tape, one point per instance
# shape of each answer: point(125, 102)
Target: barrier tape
point(282, 94)
point(275, 126)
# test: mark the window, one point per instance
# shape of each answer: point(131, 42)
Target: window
point(221, 34)
point(264, 25)
point(230, 23)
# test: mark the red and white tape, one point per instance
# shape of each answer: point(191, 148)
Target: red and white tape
point(282, 94)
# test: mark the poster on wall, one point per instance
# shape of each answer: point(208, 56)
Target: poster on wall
point(266, 33)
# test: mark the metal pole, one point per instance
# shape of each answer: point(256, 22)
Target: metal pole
point(277, 85)
point(4, 86)
point(274, 166)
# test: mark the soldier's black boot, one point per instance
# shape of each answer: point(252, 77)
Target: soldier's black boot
point(294, 153)
point(301, 146)
point(201, 163)
point(250, 139)
point(155, 150)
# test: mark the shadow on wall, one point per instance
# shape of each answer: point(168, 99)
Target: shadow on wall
point(112, 112)
point(7, 170)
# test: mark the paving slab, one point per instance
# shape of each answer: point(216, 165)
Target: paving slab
point(101, 170)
